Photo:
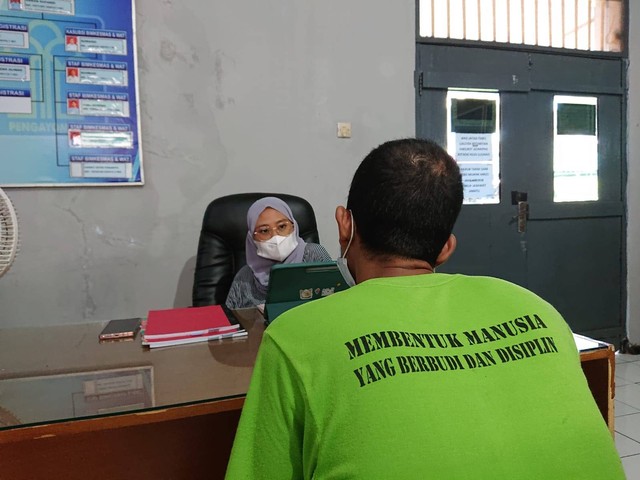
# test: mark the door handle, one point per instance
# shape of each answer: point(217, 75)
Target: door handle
point(520, 200)
point(523, 216)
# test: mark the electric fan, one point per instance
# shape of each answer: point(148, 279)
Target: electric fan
point(8, 233)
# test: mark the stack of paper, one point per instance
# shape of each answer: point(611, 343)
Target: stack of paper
point(180, 326)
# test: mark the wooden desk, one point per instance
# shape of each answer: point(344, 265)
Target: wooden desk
point(187, 435)
point(196, 393)
point(598, 362)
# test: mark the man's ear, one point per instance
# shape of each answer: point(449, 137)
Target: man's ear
point(343, 219)
point(447, 250)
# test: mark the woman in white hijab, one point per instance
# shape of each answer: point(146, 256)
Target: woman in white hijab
point(272, 237)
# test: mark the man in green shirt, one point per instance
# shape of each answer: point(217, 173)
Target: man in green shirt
point(412, 374)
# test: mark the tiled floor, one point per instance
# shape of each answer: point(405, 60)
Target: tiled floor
point(627, 413)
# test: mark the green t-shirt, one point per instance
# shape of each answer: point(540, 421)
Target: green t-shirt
point(430, 376)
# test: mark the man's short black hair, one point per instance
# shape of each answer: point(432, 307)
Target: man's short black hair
point(405, 198)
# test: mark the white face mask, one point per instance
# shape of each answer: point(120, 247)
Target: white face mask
point(277, 248)
point(341, 261)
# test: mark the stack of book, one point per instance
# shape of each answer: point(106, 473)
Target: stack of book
point(181, 326)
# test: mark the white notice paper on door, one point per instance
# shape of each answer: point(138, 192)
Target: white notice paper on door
point(477, 180)
point(473, 147)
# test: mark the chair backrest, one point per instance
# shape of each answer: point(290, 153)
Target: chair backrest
point(222, 241)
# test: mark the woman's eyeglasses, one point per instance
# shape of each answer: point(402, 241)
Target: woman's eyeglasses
point(283, 229)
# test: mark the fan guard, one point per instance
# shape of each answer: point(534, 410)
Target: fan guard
point(8, 233)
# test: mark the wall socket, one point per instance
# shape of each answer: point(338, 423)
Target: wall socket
point(344, 129)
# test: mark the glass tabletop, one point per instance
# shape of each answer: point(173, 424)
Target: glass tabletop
point(57, 373)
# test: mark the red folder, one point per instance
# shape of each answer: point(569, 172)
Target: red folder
point(190, 321)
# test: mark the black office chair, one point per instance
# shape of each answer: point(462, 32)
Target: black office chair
point(222, 241)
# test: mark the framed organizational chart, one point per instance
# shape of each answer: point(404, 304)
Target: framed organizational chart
point(69, 110)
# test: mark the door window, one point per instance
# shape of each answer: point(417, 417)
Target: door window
point(575, 149)
point(473, 139)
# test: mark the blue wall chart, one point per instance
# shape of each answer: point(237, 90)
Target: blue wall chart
point(68, 93)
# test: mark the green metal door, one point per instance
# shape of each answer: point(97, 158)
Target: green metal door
point(539, 140)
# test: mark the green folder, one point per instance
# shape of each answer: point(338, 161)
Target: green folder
point(292, 284)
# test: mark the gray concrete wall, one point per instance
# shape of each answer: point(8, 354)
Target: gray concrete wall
point(235, 96)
